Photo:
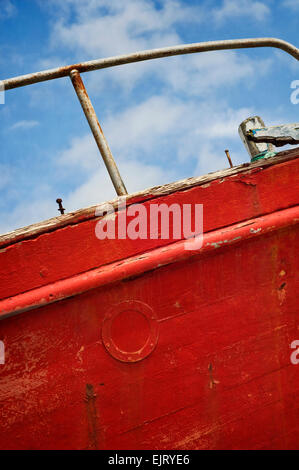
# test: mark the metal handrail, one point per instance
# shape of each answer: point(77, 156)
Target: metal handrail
point(73, 71)
point(89, 66)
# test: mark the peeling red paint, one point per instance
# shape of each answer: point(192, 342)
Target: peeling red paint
point(220, 375)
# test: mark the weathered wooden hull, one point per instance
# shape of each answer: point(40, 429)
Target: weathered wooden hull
point(214, 325)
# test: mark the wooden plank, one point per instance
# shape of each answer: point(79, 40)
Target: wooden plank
point(220, 376)
point(154, 259)
point(73, 249)
point(277, 135)
point(81, 215)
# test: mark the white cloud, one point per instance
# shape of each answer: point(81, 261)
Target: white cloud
point(142, 126)
point(23, 125)
point(156, 138)
point(102, 28)
point(201, 73)
point(137, 131)
point(28, 212)
point(111, 27)
point(292, 4)
point(98, 187)
point(7, 9)
point(140, 136)
point(5, 175)
point(237, 8)
point(134, 136)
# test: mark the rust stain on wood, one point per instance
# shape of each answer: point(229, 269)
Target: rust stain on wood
point(90, 400)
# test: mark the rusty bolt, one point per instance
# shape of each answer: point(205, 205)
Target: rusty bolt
point(61, 208)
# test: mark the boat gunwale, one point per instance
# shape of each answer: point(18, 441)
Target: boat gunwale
point(154, 259)
point(81, 215)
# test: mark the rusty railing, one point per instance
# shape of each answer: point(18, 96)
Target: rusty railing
point(73, 71)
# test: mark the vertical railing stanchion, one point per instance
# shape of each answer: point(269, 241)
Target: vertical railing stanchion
point(98, 133)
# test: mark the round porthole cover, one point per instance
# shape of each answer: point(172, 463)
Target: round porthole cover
point(130, 331)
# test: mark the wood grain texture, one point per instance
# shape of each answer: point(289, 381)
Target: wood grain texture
point(220, 376)
point(74, 248)
point(151, 260)
point(34, 230)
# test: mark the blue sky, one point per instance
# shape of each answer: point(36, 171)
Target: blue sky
point(165, 120)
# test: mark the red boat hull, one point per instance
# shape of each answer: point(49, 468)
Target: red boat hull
point(212, 328)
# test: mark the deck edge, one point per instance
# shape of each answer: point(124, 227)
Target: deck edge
point(81, 215)
point(151, 260)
